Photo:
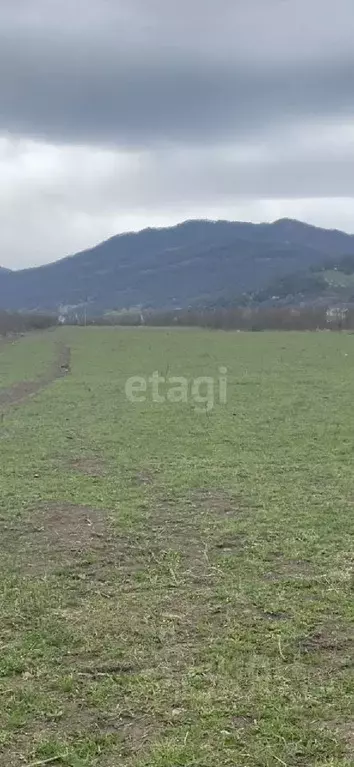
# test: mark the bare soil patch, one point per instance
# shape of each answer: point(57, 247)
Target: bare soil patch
point(145, 477)
point(89, 466)
point(243, 722)
point(77, 543)
point(275, 616)
point(346, 733)
point(179, 544)
point(130, 733)
point(326, 640)
point(55, 536)
point(216, 501)
point(292, 569)
point(141, 475)
point(21, 391)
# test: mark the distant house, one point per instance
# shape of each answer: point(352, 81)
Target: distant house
point(336, 314)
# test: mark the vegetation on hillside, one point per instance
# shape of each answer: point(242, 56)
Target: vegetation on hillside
point(329, 282)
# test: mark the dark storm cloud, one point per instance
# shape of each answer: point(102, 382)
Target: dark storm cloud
point(118, 114)
point(136, 73)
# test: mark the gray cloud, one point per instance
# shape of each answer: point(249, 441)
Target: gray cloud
point(116, 114)
point(138, 74)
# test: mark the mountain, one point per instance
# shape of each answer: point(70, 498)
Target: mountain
point(196, 261)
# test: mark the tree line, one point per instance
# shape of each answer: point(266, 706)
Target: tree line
point(13, 323)
point(237, 318)
point(253, 319)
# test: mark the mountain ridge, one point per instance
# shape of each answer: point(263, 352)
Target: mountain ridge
point(164, 267)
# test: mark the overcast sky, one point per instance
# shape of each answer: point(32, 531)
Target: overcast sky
point(120, 114)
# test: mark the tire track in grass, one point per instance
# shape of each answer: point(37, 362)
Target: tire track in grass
point(23, 390)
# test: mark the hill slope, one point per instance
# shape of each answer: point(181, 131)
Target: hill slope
point(331, 282)
point(176, 266)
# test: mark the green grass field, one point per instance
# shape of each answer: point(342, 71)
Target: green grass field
point(177, 583)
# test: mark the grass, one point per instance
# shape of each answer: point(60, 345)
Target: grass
point(25, 359)
point(177, 586)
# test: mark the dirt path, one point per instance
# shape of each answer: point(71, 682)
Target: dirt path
point(21, 391)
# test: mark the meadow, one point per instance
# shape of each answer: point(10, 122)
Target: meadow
point(177, 580)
